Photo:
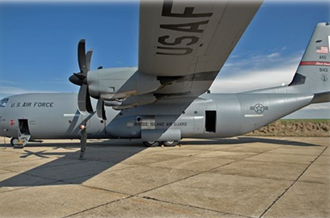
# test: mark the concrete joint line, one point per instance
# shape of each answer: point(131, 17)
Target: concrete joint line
point(187, 205)
point(137, 195)
point(101, 205)
point(107, 190)
point(293, 183)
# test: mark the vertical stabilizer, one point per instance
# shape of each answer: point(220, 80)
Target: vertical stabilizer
point(313, 74)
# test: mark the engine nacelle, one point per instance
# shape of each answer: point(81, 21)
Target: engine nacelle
point(118, 83)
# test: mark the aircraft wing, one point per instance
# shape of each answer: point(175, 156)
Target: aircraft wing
point(189, 41)
point(182, 46)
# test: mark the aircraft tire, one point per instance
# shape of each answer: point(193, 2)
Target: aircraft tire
point(13, 141)
point(151, 143)
point(170, 143)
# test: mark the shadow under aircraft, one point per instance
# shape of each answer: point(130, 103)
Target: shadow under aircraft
point(248, 140)
point(68, 169)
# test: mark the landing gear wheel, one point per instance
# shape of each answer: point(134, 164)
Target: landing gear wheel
point(170, 143)
point(151, 143)
point(14, 142)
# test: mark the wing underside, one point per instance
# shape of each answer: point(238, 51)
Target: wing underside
point(188, 37)
point(182, 47)
point(190, 40)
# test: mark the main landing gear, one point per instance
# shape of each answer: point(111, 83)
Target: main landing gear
point(157, 143)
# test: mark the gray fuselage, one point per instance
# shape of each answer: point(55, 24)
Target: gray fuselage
point(55, 116)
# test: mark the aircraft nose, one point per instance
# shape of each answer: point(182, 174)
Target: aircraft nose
point(2, 130)
point(3, 112)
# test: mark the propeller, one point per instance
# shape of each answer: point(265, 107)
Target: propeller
point(80, 79)
point(100, 110)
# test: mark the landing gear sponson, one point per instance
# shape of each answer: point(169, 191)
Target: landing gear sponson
point(157, 143)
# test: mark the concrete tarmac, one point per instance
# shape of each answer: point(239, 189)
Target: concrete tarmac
point(236, 177)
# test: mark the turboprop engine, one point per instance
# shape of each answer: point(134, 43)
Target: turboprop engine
point(120, 83)
point(120, 88)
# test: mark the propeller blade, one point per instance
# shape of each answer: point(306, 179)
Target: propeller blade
point(84, 61)
point(100, 110)
point(82, 98)
point(88, 59)
point(82, 57)
point(89, 106)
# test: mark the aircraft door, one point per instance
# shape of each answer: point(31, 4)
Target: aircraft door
point(24, 126)
point(205, 117)
point(210, 121)
point(23, 134)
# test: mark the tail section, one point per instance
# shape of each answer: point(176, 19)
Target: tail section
point(313, 74)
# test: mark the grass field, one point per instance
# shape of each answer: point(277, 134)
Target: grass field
point(296, 127)
point(306, 120)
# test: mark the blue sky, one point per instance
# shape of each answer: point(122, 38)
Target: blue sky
point(38, 43)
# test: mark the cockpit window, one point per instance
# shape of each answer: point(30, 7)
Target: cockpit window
point(3, 102)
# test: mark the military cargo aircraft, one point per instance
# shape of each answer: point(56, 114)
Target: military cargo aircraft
point(182, 47)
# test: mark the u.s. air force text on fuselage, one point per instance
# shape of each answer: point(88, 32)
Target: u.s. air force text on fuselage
point(32, 104)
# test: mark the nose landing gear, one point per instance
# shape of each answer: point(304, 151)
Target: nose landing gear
point(19, 142)
point(23, 135)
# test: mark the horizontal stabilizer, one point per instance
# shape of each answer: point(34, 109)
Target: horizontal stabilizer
point(321, 97)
